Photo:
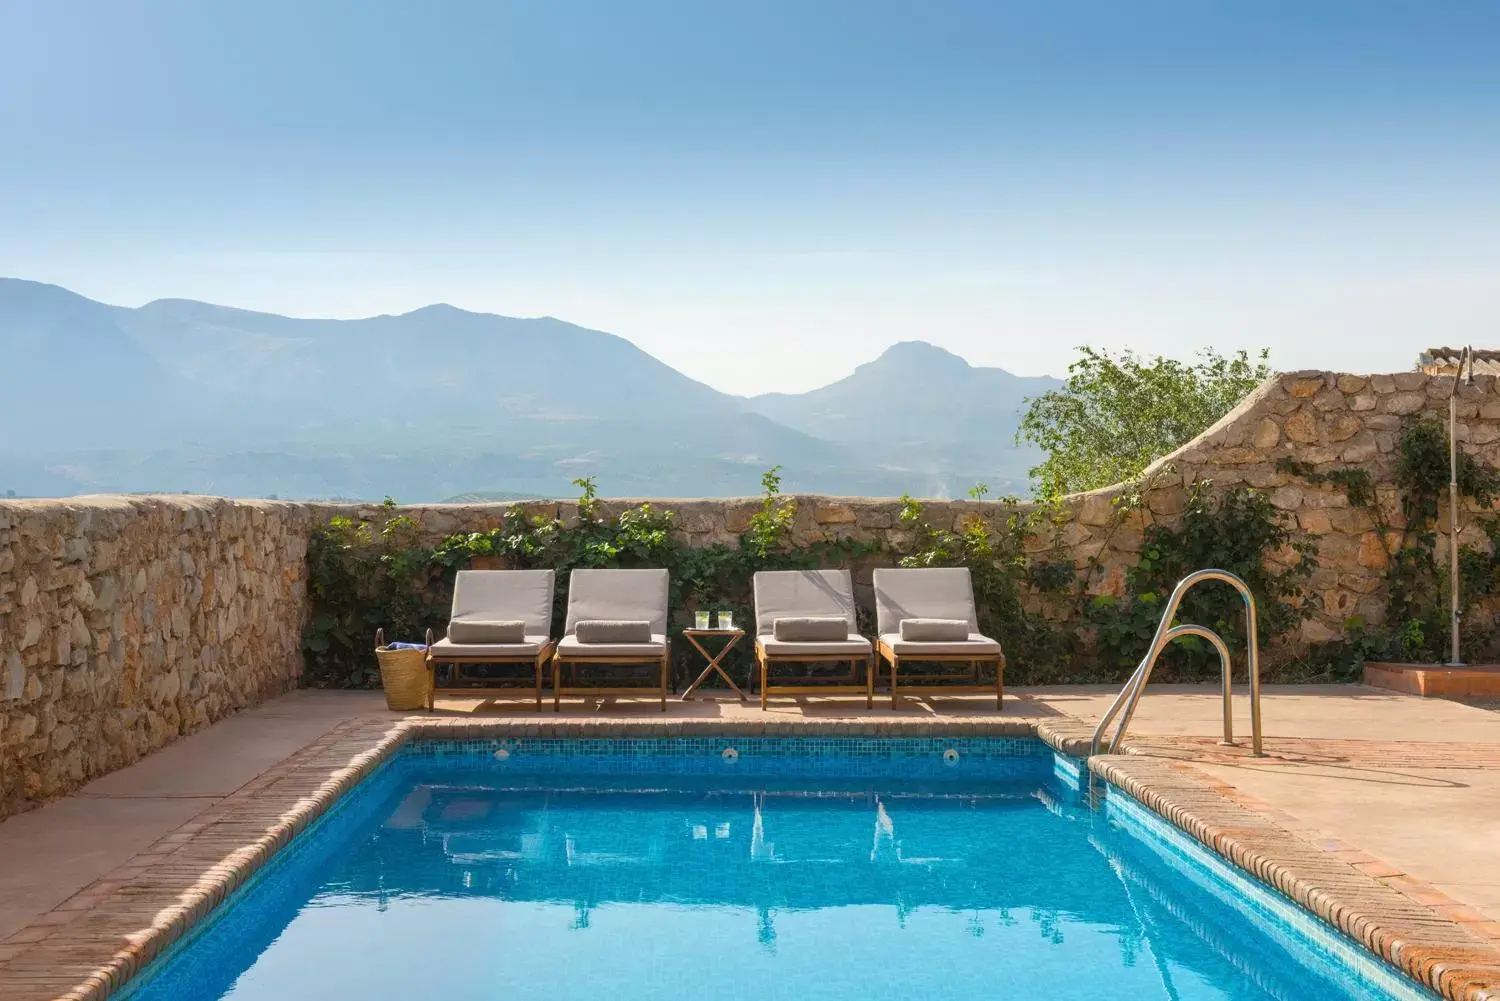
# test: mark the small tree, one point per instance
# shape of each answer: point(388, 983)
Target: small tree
point(1118, 414)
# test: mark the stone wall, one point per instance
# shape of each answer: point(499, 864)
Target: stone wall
point(128, 622)
point(1325, 421)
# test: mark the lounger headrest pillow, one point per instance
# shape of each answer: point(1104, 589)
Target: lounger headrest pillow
point(934, 630)
point(480, 631)
point(811, 629)
point(613, 631)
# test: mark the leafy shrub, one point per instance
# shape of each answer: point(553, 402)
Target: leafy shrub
point(361, 580)
point(1116, 415)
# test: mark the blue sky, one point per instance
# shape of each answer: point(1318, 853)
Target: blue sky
point(766, 193)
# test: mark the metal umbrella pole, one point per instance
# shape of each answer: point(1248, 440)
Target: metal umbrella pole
point(1465, 360)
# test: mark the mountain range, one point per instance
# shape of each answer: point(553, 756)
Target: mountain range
point(184, 396)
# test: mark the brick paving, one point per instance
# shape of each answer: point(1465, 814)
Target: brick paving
point(1452, 949)
point(89, 946)
point(93, 942)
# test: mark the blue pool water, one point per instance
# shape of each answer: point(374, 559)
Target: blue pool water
point(815, 870)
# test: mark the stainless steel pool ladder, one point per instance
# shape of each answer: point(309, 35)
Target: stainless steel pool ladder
point(1130, 695)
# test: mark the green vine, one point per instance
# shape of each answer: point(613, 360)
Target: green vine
point(1004, 578)
point(1236, 530)
point(1417, 584)
point(361, 579)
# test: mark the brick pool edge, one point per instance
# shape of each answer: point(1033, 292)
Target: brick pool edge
point(91, 945)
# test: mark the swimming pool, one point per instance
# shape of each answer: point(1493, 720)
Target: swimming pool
point(826, 869)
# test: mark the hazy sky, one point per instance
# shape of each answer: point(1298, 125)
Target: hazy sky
point(765, 192)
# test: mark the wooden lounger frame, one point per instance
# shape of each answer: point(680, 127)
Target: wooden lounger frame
point(664, 659)
point(765, 660)
point(976, 687)
point(537, 661)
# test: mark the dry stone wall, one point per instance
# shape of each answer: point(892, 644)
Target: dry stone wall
point(130, 621)
point(1324, 422)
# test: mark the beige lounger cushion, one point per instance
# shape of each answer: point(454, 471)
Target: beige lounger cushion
point(934, 630)
point(810, 629)
point(491, 596)
point(487, 630)
point(595, 595)
point(568, 648)
point(787, 594)
point(923, 593)
point(851, 646)
point(974, 645)
point(613, 631)
point(530, 646)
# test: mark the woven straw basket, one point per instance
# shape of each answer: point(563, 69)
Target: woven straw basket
point(403, 675)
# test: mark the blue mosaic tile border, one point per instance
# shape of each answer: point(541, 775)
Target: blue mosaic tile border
point(958, 758)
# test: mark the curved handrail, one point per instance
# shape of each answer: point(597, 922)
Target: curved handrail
point(1130, 695)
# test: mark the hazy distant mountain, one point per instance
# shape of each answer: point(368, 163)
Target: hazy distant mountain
point(439, 402)
point(69, 372)
point(923, 409)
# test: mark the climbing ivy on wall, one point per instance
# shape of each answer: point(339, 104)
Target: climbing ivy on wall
point(1018, 596)
point(1236, 530)
point(1417, 582)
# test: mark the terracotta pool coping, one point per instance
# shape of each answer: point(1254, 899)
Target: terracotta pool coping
point(92, 944)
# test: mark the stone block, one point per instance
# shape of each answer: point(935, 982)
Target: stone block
point(1287, 498)
point(1238, 456)
point(1301, 427)
point(1363, 448)
point(1267, 434)
point(1350, 520)
point(1314, 522)
point(1329, 399)
point(1373, 552)
point(1167, 502)
point(835, 514)
point(1265, 477)
point(1404, 403)
point(1096, 509)
point(1352, 383)
point(1343, 427)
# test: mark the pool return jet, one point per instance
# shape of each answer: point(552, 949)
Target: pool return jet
point(1130, 695)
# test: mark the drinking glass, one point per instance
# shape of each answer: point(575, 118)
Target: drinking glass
point(701, 620)
point(726, 620)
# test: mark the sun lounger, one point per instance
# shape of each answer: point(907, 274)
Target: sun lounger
point(499, 617)
point(624, 618)
point(928, 614)
point(808, 603)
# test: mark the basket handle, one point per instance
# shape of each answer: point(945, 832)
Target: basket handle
point(379, 638)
